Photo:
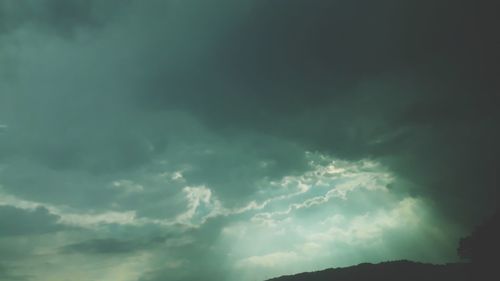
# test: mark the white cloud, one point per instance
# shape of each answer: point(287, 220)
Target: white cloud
point(335, 179)
point(201, 204)
point(271, 260)
point(127, 186)
point(68, 217)
point(95, 219)
point(177, 176)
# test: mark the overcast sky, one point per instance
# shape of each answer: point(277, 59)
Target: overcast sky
point(183, 140)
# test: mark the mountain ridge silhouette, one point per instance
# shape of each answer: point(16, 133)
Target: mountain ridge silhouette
point(403, 270)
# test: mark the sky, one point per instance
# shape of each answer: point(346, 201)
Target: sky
point(183, 140)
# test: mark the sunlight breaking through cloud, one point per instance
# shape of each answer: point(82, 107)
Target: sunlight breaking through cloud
point(319, 215)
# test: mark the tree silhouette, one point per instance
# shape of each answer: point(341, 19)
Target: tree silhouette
point(483, 245)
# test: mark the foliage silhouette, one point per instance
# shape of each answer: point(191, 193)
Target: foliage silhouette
point(483, 245)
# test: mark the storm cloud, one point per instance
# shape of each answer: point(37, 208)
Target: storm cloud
point(242, 137)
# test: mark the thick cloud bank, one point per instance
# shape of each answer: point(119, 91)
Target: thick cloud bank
point(246, 139)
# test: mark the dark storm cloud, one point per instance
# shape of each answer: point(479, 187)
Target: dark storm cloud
point(283, 59)
point(224, 97)
point(412, 83)
point(14, 222)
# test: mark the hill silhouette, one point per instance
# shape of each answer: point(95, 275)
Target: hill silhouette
point(386, 271)
point(480, 249)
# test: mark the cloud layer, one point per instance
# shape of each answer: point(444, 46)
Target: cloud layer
point(245, 139)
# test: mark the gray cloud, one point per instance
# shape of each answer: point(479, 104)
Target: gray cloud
point(63, 18)
point(118, 106)
point(103, 246)
point(209, 260)
point(6, 274)
point(360, 79)
point(15, 222)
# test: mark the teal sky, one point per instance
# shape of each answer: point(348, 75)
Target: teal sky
point(241, 140)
